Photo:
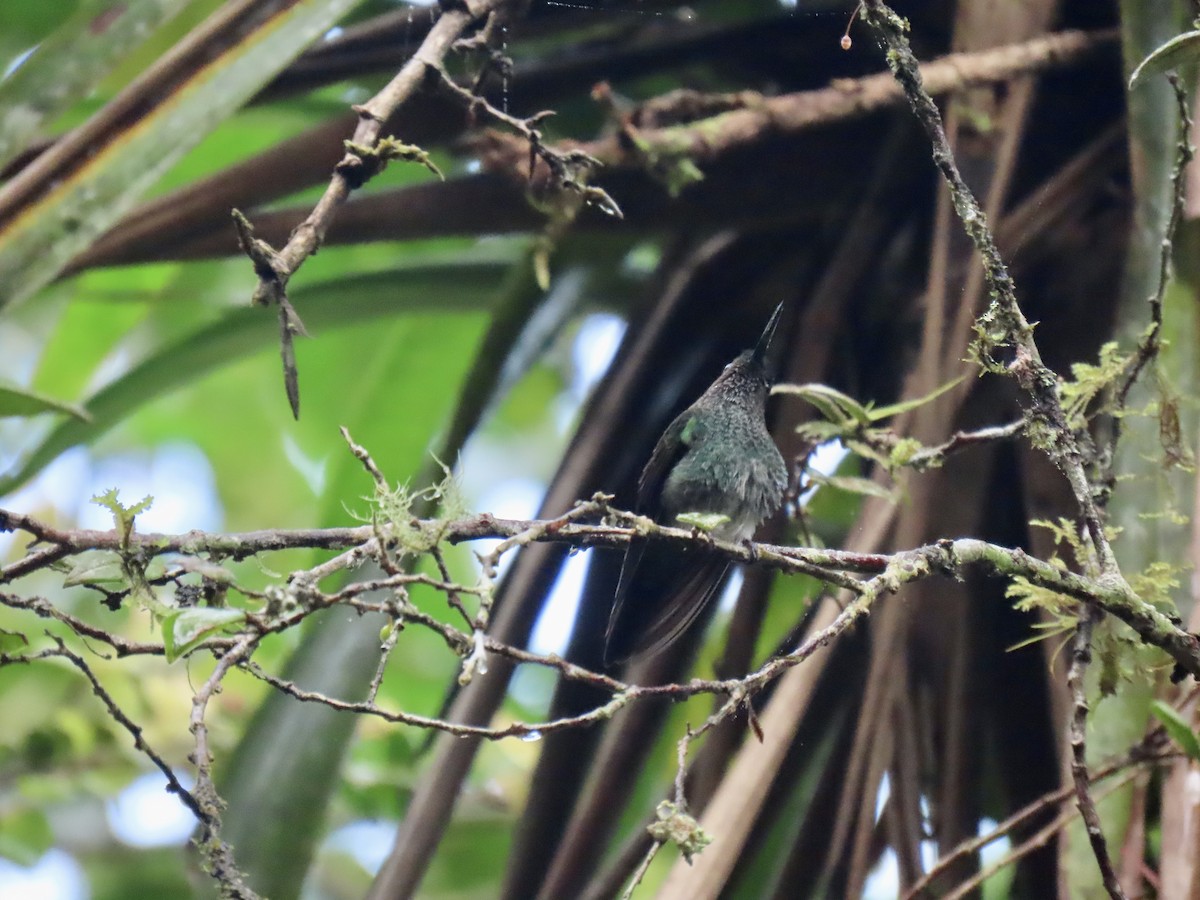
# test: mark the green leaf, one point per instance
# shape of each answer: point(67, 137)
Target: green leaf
point(123, 516)
point(853, 484)
point(424, 360)
point(705, 522)
point(443, 286)
point(43, 235)
point(25, 834)
point(187, 629)
point(69, 63)
point(12, 641)
point(1178, 728)
point(105, 569)
point(16, 401)
point(831, 403)
point(818, 431)
point(895, 409)
point(1178, 51)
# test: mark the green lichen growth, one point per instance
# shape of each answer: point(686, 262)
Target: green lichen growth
point(397, 507)
point(1089, 382)
point(367, 162)
point(675, 826)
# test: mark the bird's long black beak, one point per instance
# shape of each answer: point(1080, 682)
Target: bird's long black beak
point(760, 350)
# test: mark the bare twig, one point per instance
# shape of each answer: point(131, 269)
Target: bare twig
point(640, 872)
point(1152, 749)
point(275, 268)
point(1149, 346)
point(1036, 841)
point(218, 853)
point(962, 440)
point(361, 454)
point(139, 739)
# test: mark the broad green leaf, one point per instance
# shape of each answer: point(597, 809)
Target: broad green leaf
point(189, 628)
point(818, 431)
point(1178, 51)
point(1178, 728)
point(70, 62)
point(29, 22)
point(244, 331)
point(45, 235)
point(104, 568)
point(415, 377)
point(16, 401)
point(300, 745)
point(844, 409)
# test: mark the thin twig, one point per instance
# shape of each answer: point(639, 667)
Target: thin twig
point(1149, 346)
point(140, 743)
point(961, 440)
point(1081, 657)
point(1152, 749)
point(640, 872)
point(385, 653)
point(1036, 841)
point(219, 854)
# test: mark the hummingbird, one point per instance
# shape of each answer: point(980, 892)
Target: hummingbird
point(716, 459)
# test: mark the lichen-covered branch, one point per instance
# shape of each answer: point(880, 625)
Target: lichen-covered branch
point(1003, 331)
point(835, 567)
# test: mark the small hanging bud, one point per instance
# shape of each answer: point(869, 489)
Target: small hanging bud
point(846, 42)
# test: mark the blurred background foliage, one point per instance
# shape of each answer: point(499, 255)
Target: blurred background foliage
point(123, 296)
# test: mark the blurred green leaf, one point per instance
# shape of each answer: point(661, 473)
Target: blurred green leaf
point(100, 569)
point(376, 295)
point(70, 62)
point(853, 485)
point(829, 402)
point(16, 401)
point(12, 641)
point(878, 413)
point(189, 628)
point(1178, 51)
point(25, 23)
point(25, 834)
point(36, 245)
point(1178, 728)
